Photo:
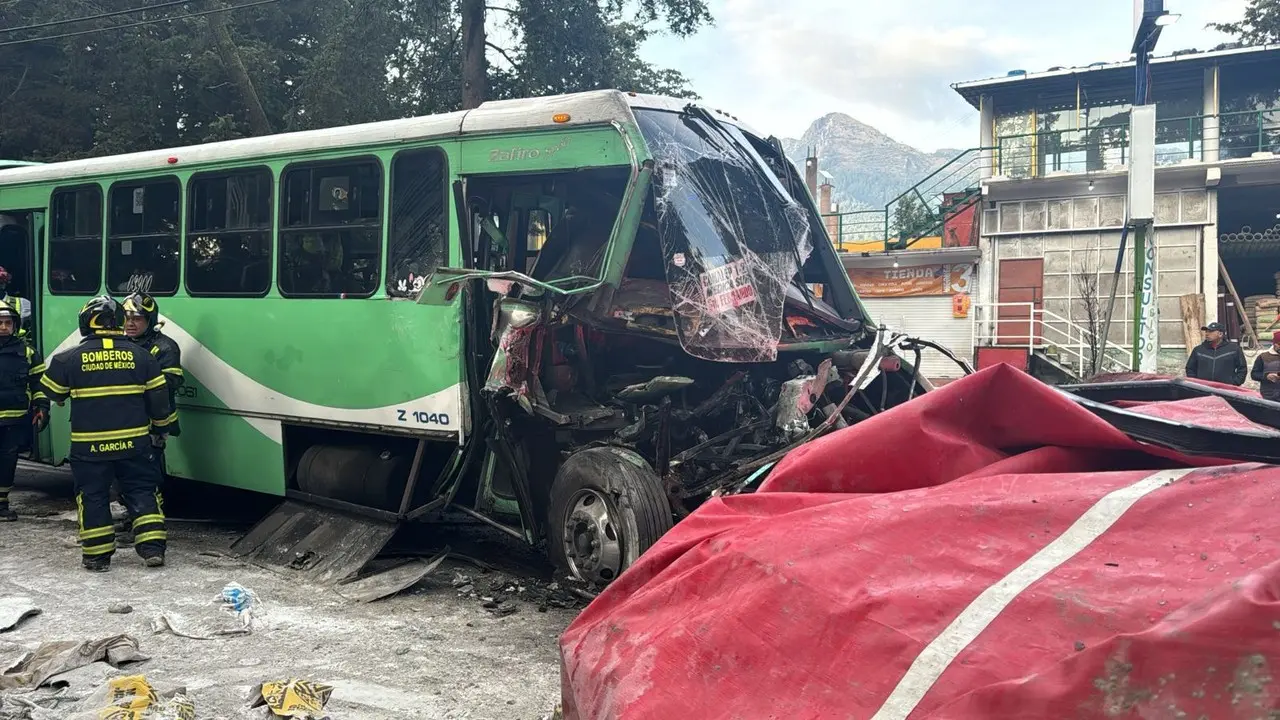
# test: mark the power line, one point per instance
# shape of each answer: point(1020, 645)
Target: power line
point(140, 23)
point(100, 16)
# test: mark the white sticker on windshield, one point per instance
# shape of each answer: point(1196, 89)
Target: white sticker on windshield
point(727, 287)
point(678, 259)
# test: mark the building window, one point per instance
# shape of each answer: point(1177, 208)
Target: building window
point(142, 237)
point(75, 241)
point(418, 236)
point(331, 229)
point(1250, 109)
point(229, 233)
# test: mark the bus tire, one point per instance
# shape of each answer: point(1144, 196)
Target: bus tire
point(607, 507)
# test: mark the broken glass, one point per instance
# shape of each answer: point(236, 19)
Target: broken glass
point(732, 238)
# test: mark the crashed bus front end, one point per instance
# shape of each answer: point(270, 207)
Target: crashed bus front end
point(627, 380)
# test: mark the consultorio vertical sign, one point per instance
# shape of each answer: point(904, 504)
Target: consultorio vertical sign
point(1148, 317)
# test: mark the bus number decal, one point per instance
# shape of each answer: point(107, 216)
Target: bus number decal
point(186, 392)
point(422, 418)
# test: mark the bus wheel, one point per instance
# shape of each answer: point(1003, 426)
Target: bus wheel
point(607, 507)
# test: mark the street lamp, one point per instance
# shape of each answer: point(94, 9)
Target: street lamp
point(1167, 19)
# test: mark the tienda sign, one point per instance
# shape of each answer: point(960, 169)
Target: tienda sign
point(913, 281)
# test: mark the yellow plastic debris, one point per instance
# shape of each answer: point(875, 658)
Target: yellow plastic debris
point(295, 698)
point(133, 698)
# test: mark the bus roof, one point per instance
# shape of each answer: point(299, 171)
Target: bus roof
point(589, 108)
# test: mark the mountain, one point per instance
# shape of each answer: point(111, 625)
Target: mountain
point(870, 168)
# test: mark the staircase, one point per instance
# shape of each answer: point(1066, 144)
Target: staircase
point(1059, 350)
point(923, 210)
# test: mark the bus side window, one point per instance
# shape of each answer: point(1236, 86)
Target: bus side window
point(142, 237)
point(331, 229)
point(229, 233)
point(418, 239)
point(75, 241)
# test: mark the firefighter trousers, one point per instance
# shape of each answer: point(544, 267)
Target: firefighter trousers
point(10, 440)
point(139, 481)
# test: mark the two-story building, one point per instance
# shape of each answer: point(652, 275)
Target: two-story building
point(1054, 179)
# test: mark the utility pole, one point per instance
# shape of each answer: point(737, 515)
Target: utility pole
point(1149, 17)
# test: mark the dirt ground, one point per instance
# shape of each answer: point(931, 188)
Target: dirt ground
point(432, 652)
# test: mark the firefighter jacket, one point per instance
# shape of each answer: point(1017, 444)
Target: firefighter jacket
point(21, 369)
point(118, 397)
point(169, 355)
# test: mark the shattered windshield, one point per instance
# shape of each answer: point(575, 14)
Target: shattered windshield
point(732, 238)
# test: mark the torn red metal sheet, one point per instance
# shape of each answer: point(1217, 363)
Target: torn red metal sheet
point(1148, 377)
point(988, 550)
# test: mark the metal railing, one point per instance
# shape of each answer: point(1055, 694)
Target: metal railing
point(1228, 136)
point(923, 209)
point(853, 228)
point(1070, 344)
point(920, 211)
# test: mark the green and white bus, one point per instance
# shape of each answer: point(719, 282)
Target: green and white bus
point(572, 317)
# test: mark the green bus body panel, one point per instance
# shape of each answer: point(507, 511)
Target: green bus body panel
point(252, 364)
point(540, 152)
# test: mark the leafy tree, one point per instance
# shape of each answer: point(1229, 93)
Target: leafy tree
point(296, 64)
point(1261, 23)
point(911, 219)
point(572, 45)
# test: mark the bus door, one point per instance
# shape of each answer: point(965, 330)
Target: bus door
point(21, 242)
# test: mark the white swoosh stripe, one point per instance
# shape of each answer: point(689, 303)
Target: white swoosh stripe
point(938, 655)
point(240, 392)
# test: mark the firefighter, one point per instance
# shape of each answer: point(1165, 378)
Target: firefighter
point(21, 305)
point(21, 397)
point(142, 325)
point(119, 399)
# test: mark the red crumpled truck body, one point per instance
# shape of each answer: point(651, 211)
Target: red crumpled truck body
point(991, 550)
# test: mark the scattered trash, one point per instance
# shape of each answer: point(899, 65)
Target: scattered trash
point(239, 601)
point(49, 659)
point(13, 610)
point(133, 698)
point(500, 606)
point(298, 699)
point(392, 581)
point(120, 608)
point(173, 624)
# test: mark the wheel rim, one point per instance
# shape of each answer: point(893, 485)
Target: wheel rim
point(592, 539)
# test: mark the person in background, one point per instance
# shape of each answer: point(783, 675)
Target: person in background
point(21, 397)
point(1217, 359)
point(119, 399)
point(1266, 370)
point(22, 305)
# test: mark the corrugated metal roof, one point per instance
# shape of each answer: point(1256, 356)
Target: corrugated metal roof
point(972, 90)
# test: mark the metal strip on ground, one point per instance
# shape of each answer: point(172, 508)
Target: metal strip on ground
point(938, 655)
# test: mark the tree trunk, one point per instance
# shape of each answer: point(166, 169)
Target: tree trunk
point(475, 68)
point(230, 55)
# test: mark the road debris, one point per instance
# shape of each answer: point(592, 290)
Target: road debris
point(133, 698)
point(298, 699)
point(13, 610)
point(120, 608)
point(52, 658)
point(391, 581)
point(175, 625)
point(240, 602)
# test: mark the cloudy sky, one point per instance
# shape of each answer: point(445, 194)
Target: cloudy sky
point(780, 64)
